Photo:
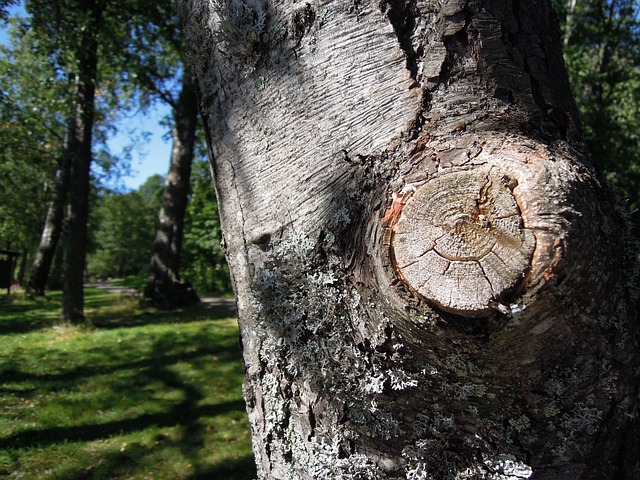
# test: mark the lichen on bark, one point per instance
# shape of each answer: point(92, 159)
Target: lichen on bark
point(349, 373)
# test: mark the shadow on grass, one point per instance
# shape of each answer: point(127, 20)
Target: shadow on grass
point(14, 375)
point(238, 469)
point(191, 413)
point(161, 366)
point(181, 414)
point(18, 315)
point(21, 315)
point(193, 313)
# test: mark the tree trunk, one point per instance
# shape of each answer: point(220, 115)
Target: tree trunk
point(432, 279)
point(165, 288)
point(570, 21)
point(81, 157)
point(52, 228)
point(24, 262)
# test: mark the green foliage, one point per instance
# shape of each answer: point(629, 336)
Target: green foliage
point(124, 233)
point(5, 5)
point(602, 52)
point(30, 137)
point(124, 227)
point(151, 190)
point(129, 398)
point(125, 36)
point(203, 261)
point(139, 49)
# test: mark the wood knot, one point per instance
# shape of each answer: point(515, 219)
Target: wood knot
point(460, 241)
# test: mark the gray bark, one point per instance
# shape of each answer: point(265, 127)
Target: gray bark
point(81, 158)
point(165, 289)
point(340, 134)
point(52, 228)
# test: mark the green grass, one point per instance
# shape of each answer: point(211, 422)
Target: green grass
point(140, 394)
point(137, 282)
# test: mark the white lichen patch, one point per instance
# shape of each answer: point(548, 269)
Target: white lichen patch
point(507, 467)
point(496, 467)
point(399, 380)
point(584, 419)
point(417, 457)
point(327, 464)
point(311, 324)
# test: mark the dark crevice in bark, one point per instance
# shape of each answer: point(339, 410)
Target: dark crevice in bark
point(312, 423)
point(402, 16)
point(301, 23)
point(458, 48)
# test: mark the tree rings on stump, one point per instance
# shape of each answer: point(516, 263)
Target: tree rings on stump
point(460, 241)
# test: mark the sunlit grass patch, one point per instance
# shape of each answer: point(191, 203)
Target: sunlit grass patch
point(129, 399)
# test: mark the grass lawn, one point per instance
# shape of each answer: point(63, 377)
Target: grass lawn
point(140, 394)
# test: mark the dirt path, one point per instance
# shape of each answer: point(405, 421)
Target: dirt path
point(114, 288)
point(229, 303)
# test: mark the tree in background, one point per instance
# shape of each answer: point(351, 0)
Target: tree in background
point(165, 288)
point(602, 51)
point(33, 139)
point(76, 30)
point(53, 222)
point(154, 55)
point(202, 254)
point(157, 76)
point(98, 43)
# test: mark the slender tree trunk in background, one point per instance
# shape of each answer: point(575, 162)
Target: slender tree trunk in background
point(52, 228)
point(81, 157)
point(24, 259)
point(56, 275)
point(433, 281)
point(165, 289)
point(571, 10)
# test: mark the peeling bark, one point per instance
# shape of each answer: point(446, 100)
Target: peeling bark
point(317, 135)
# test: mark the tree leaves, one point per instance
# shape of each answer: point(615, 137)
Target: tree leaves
point(602, 53)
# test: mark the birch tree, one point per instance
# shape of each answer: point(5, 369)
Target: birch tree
point(433, 280)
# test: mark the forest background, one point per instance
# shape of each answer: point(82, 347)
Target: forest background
point(140, 65)
point(36, 100)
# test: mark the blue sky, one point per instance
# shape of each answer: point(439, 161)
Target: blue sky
point(149, 158)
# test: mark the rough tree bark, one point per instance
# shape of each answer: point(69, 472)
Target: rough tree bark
point(164, 288)
point(86, 57)
point(52, 228)
point(432, 279)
